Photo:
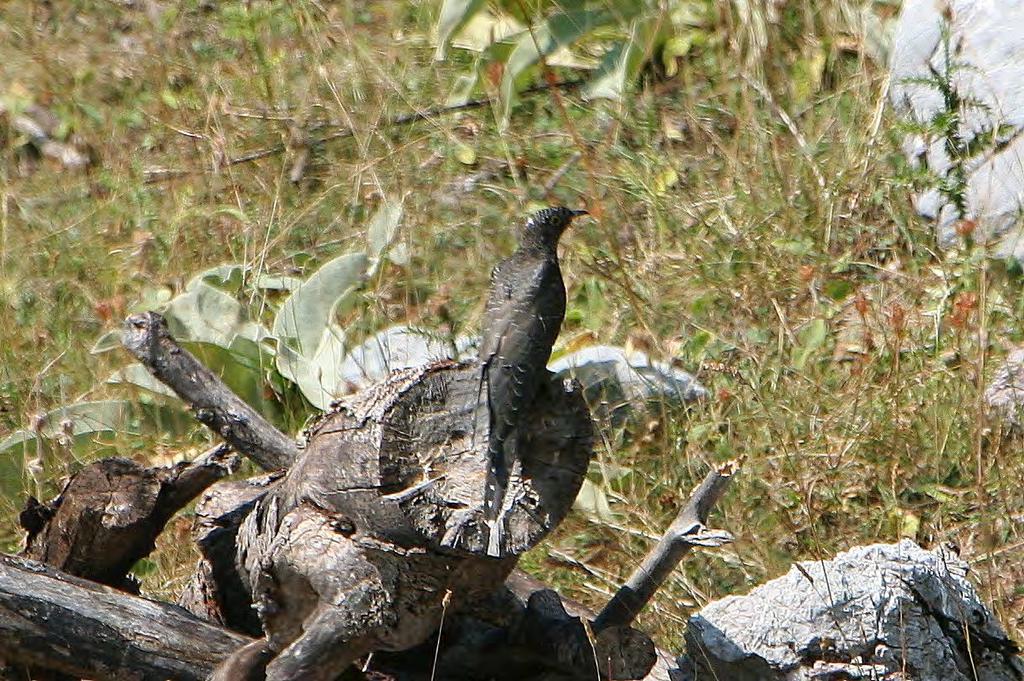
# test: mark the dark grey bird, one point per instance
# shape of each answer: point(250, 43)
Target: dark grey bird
point(524, 313)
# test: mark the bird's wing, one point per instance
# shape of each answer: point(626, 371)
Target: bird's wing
point(511, 287)
point(519, 341)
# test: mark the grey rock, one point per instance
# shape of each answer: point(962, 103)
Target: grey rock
point(616, 381)
point(886, 611)
point(399, 347)
point(1004, 395)
point(987, 40)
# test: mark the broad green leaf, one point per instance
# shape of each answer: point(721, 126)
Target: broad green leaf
point(272, 282)
point(463, 88)
point(111, 340)
point(208, 315)
point(137, 375)
point(559, 30)
point(383, 227)
point(311, 308)
point(318, 377)
point(593, 502)
point(225, 277)
point(621, 65)
point(153, 299)
point(399, 254)
point(454, 15)
point(485, 29)
point(243, 367)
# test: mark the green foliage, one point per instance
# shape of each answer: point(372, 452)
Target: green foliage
point(217, 318)
point(516, 40)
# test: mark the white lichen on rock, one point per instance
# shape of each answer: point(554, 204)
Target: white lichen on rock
point(884, 611)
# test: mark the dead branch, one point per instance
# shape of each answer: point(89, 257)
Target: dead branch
point(147, 338)
point(109, 514)
point(686, 531)
point(51, 620)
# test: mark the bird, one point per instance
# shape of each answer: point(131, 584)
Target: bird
point(525, 309)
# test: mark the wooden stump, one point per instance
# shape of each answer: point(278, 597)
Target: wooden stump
point(378, 525)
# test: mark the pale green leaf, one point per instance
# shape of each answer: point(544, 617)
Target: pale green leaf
point(383, 227)
point(137, 375)
point(311, 308)
point(271, 282)
point(242, 366)
point(208, 315)
point(226, 277)
point(593, 502)
point(454, 15)
point(559, 30)
point(318, 377)
point(621, 65)
point(111, 340)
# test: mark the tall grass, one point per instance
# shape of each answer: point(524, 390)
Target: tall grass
point(754, 226)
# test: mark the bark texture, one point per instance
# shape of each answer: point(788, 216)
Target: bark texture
point(57, 622)
point(110, 513)
point(378, 526)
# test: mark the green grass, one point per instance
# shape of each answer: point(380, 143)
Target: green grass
point(746, 248)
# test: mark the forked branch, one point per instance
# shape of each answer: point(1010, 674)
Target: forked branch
point(685, 532)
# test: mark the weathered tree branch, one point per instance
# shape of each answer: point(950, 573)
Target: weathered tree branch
point(686, 531)
point(109, 514)
point(146, 337)
point(54, 621)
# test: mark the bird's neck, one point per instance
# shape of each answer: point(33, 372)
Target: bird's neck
point(536, 245)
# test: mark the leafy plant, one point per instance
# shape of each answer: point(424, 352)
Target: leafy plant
point(947, 125)
point(615, 40)
point(284, 371)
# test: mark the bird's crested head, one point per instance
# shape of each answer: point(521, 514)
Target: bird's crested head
point(545, 227)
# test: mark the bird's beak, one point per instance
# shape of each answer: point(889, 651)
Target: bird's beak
point(577, 213)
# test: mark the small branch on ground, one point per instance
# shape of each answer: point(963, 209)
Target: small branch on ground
point(687, 530)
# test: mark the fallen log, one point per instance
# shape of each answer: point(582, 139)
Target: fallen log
point(51, 620)
point(375, 534)
point(378, 526)
point(109, 514)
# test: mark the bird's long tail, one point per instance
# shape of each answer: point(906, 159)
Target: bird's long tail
point(494, 493)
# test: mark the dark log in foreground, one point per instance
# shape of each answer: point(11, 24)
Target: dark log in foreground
point(534, 637)
point(685, 532)
point(110, 513)
point(146, 337)
point(50, 620)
